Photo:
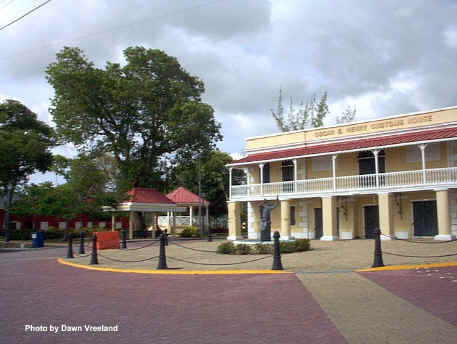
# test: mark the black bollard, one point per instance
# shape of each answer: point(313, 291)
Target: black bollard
point(277, 265)
point(162, 258)
point(94, 257)
point(377, 261)
point(210, 237)
point(123, 238)
point(81, 243)
point(70, 246)
point(166, 237)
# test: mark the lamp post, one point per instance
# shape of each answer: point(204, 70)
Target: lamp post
point(7, 219)
point(200, 198)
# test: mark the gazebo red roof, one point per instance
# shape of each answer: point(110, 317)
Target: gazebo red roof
point(183, 196)
point(354, 144)
point(145, 195)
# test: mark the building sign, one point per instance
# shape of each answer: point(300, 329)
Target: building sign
point(373, 126)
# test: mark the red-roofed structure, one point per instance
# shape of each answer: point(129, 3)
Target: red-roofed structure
point(183, 196)
point(145, 195)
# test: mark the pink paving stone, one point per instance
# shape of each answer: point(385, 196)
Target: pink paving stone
point(158, 308)
point(424, 288)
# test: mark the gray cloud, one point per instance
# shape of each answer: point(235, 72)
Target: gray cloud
point(388, 57)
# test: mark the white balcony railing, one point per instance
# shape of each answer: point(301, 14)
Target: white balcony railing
point(382, 181)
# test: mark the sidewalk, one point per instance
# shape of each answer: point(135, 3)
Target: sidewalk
point(348, 255)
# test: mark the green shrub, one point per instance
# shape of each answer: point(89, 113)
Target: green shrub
point(190, 232)
point(263, 249)
point(243, 249)
point(226, 248)
point(302, 245)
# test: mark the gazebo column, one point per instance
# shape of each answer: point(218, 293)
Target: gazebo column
point(191, 215)
point(173, 223)
point(113, 223)
point(131, 225)
point(207, 215)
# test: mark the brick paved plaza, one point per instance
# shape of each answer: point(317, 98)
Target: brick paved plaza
point(322, 301)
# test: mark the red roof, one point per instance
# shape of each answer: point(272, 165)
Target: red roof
point(182, 195)
point(355, 144)
point(143, 195)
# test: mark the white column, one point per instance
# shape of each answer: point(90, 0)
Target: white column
point(230, 182)
point(248, 180)
point(334, 170)
point(261, 178)
point(113, 223)
point(191, 215)
point(295, 174)
point(422, 148)
point(376, 164)
point(207, 215)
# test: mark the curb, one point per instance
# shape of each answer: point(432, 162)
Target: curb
point(408, 267)
point(174, 272)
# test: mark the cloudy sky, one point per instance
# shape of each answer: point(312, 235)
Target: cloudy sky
point(383, 57)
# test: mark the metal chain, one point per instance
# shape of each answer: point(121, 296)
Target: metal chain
point(139, 248)
point(127, 261)
point(403, 255)
point(190, 248)
point(190, 262)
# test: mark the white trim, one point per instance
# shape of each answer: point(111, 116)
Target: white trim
point(444, 237)
point(347, 236)
point(234, 237)
point(328, 238)
point(402, 235)
point(342, 152)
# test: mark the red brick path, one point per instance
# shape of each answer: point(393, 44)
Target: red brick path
point(156, 308)
point(432, 289)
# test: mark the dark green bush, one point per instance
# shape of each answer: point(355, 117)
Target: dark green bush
point(263, 249)
point(302, 245)
point(226, 248)
point(243, 249)
point(54, 233)
point(190, 232)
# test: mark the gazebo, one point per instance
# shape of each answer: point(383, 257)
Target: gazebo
point(144, 200)
point(185, 198)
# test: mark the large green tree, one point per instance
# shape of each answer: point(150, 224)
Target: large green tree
point(143, 112)
point(25, 144)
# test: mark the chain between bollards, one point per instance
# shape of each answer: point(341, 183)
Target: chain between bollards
point(377, 261)
point(162, 258)
point(277, 265)
point(81, 243)
point(123, 238)
point(94, 256)
point(70, 246)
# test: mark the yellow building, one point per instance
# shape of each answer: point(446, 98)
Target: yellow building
point(398, 174)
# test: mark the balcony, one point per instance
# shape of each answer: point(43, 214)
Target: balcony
point(368, 183)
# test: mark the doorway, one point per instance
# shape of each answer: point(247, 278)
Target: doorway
point(371, 219)
point(318, 223)
point(425, 218)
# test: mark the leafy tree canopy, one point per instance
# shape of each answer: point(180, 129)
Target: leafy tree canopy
point(140, 112)
point(25, 144)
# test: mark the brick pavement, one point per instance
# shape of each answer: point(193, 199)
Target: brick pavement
point(432, 289)
point(157, 308)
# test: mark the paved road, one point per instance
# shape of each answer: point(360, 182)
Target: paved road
point(155, 308)
point(417, 306)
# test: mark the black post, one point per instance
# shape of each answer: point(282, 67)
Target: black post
point(162, 258)
point(7, 218)
point(377, 261)
point(277, 265)
point(70, 245)
point(81, 243)
point(166, 237)
point(123, 238)
point(210, 237)
point(94, 257)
